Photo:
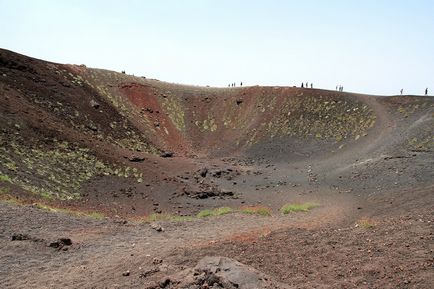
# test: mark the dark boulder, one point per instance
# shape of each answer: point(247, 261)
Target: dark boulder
point(20, 237)
point(219, 273)
point(166, 154)
point(203, 172)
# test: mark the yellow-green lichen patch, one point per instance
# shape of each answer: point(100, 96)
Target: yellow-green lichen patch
point(234, 117)
point(75, 79)
point(409, 109)
point(106, 83)
point(209, 124)
point(175, 111)
point(55, 172)
point(119, 131)
point(422, 143)
point(320, 118)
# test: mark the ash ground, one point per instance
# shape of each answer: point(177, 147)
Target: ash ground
point(88, 140)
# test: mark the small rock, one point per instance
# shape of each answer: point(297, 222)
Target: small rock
point(158, 211)
point(149, 272)
point(126, 273)
point(157, 261)
point(66, 241)
point(164, 283)
point(94, 104)
point(166, 154)
point(54, 244)
point(203, 172)
point(20, 237)
point(60, 243)
point(91, 126)
point(135, 158)
point(157, 227)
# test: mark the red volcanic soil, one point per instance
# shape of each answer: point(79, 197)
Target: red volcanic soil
point(107, 181)
point(144, 98)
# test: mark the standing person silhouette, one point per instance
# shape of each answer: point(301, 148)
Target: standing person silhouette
point(402, 90)
point(311, 85)
point(302, 85)
point(426, 91)
point(241, 83)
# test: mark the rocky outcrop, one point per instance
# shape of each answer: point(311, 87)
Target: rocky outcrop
point(219, 273)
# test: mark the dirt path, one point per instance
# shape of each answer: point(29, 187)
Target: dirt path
point(371, 145)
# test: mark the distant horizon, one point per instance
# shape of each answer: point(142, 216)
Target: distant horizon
point(370, 47)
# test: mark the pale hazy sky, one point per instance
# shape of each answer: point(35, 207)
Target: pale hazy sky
point(369, 46)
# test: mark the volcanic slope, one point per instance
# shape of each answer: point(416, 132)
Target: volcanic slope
point(67, 130)
point(90, 142)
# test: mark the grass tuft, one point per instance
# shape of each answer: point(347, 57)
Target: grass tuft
point(89, 214)
point(204, 213)
point(5, 178)
point(95, 215)
point(367, 223)
point(222, 211)
point(256, 210)
point(293, 208)
point(215, 212)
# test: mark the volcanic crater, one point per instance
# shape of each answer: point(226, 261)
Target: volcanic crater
point(308, 188)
